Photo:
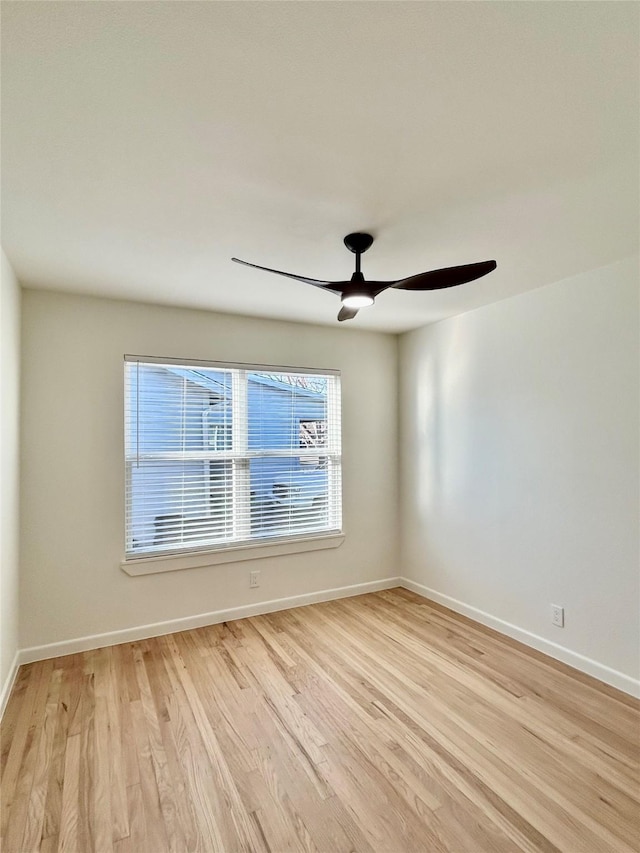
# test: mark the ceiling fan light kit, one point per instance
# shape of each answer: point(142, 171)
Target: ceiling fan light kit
point(358, 293)
point(357, 300)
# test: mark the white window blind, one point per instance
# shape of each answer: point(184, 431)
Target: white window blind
point(219, 455)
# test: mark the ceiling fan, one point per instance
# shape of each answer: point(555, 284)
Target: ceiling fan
point(358, 293)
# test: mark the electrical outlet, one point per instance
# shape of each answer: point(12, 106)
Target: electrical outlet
point(254, 579)
point(557, 615)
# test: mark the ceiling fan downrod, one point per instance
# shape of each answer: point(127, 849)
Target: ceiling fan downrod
point(358, 243)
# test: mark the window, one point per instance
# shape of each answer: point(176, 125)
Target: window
point(222, 455)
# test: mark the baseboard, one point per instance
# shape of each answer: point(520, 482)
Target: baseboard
point(554, 650)
point(142, 632)
point(7, 687)
point(158, 629)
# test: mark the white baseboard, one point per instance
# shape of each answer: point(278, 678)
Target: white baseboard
point(157, 629)
point(7, 687)
point(142, 632)
point(577, 661)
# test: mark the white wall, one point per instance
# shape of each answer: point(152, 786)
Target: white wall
point(519, 432)
point(73, 473)
point(9, 475)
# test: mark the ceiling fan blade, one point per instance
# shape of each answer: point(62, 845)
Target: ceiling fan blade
point(325, 285)
point(347, 313)
point(448, 277)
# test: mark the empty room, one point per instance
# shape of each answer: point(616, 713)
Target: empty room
point(320, 485)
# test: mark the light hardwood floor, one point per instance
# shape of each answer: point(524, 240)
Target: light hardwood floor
point(377, 723)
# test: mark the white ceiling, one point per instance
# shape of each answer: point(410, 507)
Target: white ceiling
point(144, 144)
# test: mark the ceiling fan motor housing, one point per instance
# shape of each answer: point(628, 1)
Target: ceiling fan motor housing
point(355, 293)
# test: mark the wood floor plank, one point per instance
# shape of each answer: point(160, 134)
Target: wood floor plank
point(53, 804)
point(33, 831)
point(86, 783)
point(232, 824)
point(19, 773)
point(12, 714)
point(123, 667)
point(191, 753)
point(164, 783)
point(68, 835)
point(155, 831)
point(382, 723)
point(102, 811)
point(138, 835)
point(168, 723)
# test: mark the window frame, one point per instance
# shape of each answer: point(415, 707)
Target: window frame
point(242, 546)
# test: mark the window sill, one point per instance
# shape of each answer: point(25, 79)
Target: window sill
point(229, 554)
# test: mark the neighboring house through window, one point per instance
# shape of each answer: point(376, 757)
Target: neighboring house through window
point(218, 455)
